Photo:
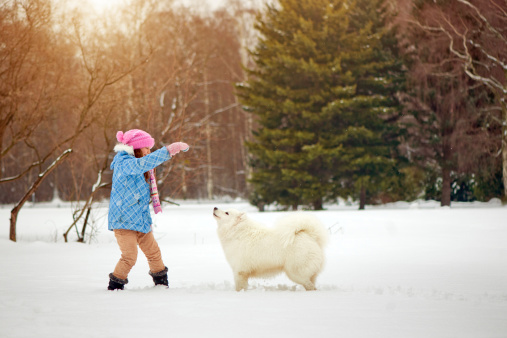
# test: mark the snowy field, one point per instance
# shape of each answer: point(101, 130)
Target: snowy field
point(404, 270)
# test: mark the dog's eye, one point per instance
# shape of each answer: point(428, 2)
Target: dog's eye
point(227, 213)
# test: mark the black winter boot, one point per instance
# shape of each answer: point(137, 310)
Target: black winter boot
point(116, 283)
point(160, 278)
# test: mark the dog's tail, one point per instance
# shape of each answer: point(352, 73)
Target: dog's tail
point(300, 222)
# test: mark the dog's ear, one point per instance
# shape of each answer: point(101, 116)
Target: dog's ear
point(241, 217)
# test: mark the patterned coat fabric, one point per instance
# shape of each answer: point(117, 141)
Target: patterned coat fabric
point(129, 205)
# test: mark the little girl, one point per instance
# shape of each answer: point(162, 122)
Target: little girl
point(129, 213)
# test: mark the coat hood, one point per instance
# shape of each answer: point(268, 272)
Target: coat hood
point(123, 147)
point(122, 151)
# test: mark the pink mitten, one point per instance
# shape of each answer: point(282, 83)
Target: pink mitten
point(176, 147)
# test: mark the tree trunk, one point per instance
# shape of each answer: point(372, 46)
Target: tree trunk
point(445, 200)
point(504, 151)
point(35, 185)
point(14, 218)
point(184, 187)
point(362, 198)
point(2, 129)
point(318, 205)
point(209, 172)
point(83, 231)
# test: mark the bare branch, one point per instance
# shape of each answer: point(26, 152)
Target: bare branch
point(35, 185)
point(488, 55)
point(465, 56)
point(484, 20)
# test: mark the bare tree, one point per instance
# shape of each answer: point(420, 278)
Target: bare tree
point(127, 56)
point(65, 92)
point(477, 39)
point(98, 73)
point(27, 76)
point(190, 86)
point(183, 92)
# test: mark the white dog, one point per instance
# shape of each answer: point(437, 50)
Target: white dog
point(294, 246)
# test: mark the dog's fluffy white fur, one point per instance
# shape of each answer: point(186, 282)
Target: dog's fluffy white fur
point(295, 245)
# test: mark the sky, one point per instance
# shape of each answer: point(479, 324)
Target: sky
point(101, 5)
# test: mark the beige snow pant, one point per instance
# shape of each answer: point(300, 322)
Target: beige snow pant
point(128, 240)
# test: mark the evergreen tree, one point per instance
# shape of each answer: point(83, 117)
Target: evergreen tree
point(371, 113)
point(319, 92)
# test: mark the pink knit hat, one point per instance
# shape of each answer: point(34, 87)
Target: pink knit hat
point(136, 138)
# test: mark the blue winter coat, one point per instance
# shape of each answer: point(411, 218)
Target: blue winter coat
point(130, 193)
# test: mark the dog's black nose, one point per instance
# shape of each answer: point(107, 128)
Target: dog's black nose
point(215, 208)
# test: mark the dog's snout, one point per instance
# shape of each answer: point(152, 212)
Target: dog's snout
point(215, 208)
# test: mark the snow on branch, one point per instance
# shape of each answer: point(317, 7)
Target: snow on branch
point(484, 20)
point(448, 28)
point(55, 162)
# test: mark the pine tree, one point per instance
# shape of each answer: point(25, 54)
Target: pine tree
point(372, 111)
point(318, 92)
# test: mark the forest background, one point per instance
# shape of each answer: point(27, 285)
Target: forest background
point(370, 101)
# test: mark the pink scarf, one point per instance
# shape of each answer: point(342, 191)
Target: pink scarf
point(154, 193)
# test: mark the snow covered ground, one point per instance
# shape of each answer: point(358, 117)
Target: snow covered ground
point(403, 270)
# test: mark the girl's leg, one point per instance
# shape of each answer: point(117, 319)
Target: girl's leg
point(149, 246)
point(127, 241)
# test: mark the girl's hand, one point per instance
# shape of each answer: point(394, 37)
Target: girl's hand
point(176, 147)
